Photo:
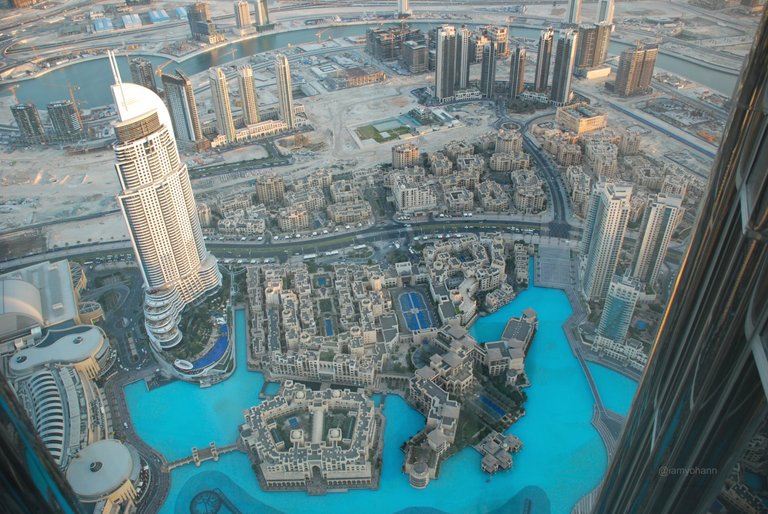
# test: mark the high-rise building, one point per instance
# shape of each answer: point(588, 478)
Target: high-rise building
point(573, 12)
point(262, 13)
point(159, 209)
point(386, 43)
point(462, 57)
point(285, 90)
point(242, 14)
point(403, 8)
point(142, 73)
point(635, 70)
point(445, 67)
point(29, 123)
point(488, 71)
point(544, 56)
point(605, 11)
point(517, 72)
point(477, 42)
point(565, 57)
point(405, 155)
point(225, 124)
point(623, 293)
point(603, 236)
point(270, 189)
point(703, 393)
point(415, 57)
point(248, 94)
point(593, 45)
point(500, 36)
point(180, 97)
point(661, 219)
point(66, 121)
point(201, 25)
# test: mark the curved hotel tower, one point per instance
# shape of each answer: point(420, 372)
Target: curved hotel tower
point(160, 211)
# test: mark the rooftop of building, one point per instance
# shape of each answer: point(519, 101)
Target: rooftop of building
point(100, 469)
point(42, 292)
point(68, 346)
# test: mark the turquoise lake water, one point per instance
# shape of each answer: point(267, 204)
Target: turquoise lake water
point(563, 458)
point(616, 390)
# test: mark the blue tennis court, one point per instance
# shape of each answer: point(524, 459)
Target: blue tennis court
point(414, 311)
point(328, 327)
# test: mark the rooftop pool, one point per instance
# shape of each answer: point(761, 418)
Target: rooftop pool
point(562, 459)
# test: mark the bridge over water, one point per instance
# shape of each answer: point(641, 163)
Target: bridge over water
point(211, 452)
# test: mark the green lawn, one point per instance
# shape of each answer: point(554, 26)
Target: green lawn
point(370, 132)
point(367, 132)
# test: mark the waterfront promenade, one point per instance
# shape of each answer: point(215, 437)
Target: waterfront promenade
point(121, 420)
point(607, 422)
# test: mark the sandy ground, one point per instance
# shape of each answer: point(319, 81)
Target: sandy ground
point(337, 113)
point(110, 227)
point(43, 191)
point(44, 184)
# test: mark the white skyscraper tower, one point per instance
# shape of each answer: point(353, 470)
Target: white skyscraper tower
point(159, 209)
point(225, 124)
point(661, 219)
point(285, 90)
point(573, 12)
point(262, 14)
point(403, 8)
point(248, 94)
point(605, 11)
point(242, 14)
point(603, 236)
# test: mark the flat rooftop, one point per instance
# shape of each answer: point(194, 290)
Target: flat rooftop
point(53, 283)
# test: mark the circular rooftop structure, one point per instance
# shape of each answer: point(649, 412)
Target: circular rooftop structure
point(100, 469)
point(59, 347)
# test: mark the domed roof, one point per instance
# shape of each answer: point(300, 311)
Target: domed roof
point(100, 469)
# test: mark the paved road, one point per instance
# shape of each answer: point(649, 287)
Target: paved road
point(559, 227)
point(161, 481)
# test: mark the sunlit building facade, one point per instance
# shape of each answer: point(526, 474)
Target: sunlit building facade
point(159, 209)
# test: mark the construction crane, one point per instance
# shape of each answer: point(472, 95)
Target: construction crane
point(74, 103)
point(320, 33)
point(159, 69)
point(231, 53)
